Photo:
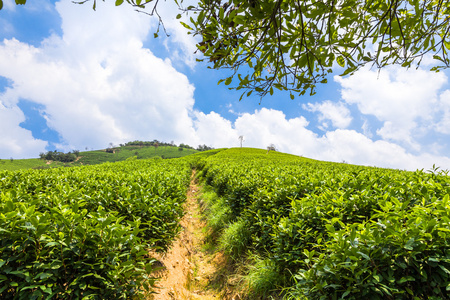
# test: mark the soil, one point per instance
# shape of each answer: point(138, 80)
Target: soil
point(189, 271)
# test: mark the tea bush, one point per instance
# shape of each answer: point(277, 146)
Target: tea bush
point(338, 230)
point(84, 232)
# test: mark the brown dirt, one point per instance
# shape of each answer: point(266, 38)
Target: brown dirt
point(188, 270)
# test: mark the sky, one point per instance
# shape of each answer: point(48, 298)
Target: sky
point(72, 78)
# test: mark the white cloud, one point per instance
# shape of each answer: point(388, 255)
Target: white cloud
point(9, 5)
point(97, 83)
point(14, 140)
point(269, 126)
point(394, 132)
point(260, 129)
point(356, 148)
point(337, 113)
point(406, 101)
point(213, 130)
point(180, 45)
point(366, 129)
point(443, 126)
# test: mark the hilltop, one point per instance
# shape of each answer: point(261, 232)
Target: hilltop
point(130, 150)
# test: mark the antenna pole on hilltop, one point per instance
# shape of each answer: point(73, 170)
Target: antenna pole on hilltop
point(241, 138)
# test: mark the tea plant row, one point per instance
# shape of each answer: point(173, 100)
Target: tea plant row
point(337, 231)
point(84, 232)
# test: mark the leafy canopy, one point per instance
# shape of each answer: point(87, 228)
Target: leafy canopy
point(293, 45)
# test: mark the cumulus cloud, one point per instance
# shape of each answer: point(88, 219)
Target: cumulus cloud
point(180, 46)
point(366, 129)
point(443, 125)
point(337, 113)
point(14, 139)
point(97, 83)
point(268, 126)
point(214, 130)
point(406, 101)
point(356, 148)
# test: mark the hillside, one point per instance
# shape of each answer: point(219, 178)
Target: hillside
point(267, 225)
point(297, 228)
point(95, 157)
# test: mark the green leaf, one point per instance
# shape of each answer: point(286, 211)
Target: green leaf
point(178, 16)
point(45, 275)
point(3, 288)
point(51, 244)
point(444, 269)
point(349, 70)
point(239, 19)
point(1, 4)
point(29, 287)
point(341, 61)
point(409, 244)
point(10, 205)
point(45, 289)
point(228, 81)
point(119, 2)
point(186, 26)
point(406, 279)
point(364, 255)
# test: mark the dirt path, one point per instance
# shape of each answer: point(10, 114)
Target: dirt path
point(188, 272)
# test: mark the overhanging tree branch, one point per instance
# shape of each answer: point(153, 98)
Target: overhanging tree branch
point(294, 44)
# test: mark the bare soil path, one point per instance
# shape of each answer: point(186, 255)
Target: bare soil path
point(189, 272)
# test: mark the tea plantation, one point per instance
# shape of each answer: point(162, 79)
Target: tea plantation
point(334, 231)
point(312, 229)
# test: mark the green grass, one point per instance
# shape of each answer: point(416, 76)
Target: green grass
point(98, 157)
point(217, 212)
point(17, 164)
point(101, 156)
point(235, 238)
point(263, 279)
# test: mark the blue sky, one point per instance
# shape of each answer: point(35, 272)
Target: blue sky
point(73, 78)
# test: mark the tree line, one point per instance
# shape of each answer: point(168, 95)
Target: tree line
point(72, 155)
point(60, 156)
point(156, 143)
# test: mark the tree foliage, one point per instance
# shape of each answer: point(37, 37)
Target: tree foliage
point(293, 45)
point(60, 156)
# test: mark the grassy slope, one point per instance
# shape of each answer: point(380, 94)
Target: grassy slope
point(17, 164)
point(98, 157)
